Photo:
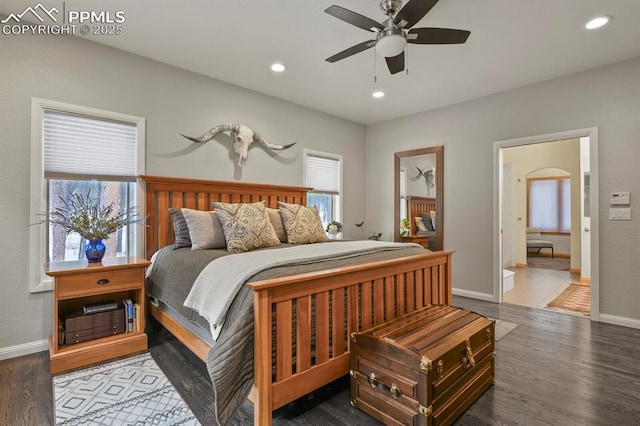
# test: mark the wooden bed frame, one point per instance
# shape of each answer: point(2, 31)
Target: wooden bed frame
point(354, 298)
point(418, 205)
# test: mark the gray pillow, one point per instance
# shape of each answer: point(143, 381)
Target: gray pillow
point(426, 219)
point(278, 226)
point(180, 229)
point(205, 229)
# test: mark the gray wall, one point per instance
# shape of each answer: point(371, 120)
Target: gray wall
point(174, 101)
point(607, 98)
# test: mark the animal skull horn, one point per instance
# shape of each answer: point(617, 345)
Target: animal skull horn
point(243, 137)
point(429, 174)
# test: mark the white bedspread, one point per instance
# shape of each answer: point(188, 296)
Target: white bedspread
point(220, 281)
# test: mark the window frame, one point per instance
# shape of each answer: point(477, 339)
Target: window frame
point(38, 280)
point(310, 152)
point(558, 180)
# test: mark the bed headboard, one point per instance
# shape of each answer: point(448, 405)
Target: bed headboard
point(418, 205)
point(160, 193)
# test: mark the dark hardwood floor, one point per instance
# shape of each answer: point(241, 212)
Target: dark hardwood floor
point(554, 369)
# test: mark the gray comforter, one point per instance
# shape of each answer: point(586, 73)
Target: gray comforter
point(230, 361)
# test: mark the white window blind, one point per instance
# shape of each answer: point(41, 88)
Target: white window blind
point(403, 182)
point(550, 205)
point(79, 147)
point(323, 174)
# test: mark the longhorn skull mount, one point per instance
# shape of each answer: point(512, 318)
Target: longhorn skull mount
point(242, 135)
point(429, 174)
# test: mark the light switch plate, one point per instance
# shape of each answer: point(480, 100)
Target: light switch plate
point(620, 213)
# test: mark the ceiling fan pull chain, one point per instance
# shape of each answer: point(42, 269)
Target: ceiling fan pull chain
point(375, 68)
point(406, 55)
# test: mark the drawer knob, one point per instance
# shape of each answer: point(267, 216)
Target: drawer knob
point(102, 281)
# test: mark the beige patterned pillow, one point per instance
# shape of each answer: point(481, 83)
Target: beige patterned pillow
point(278, 226)
point(205, 229)
point(419, 224)
point(302, 224)
point(246, 226)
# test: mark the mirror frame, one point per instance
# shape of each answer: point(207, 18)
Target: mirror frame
point(439, 152)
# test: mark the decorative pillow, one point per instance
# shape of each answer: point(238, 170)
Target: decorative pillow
point(180, 229)
point(433, 219)
point(246, 226)
point(426, 219)
point(419, 224)
point(302, 224)
point(278, 226)
point(205, 229)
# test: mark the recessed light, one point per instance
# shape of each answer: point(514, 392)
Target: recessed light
point(378, 94)
point(278, 67)
point(598, 22)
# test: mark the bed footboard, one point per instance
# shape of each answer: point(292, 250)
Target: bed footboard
point(323, 305)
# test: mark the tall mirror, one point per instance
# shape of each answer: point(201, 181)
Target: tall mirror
point(419, 193)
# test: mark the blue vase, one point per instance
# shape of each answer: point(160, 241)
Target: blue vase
point(94, 250)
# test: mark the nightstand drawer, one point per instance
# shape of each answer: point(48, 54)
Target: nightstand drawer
point(99, 282)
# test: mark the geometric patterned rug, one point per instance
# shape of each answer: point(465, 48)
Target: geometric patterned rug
point(131, 391)
point(576, 298)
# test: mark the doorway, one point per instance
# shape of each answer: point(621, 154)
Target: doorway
point(511, 220)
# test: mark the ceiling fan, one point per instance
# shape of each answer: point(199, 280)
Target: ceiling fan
point(394, 33)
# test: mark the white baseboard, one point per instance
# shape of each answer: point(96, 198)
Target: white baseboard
point(623, 321)
point(24, 349)
point(473, 294)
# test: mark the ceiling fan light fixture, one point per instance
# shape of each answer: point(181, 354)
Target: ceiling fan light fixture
point(278, 67)
point(391, 45)
point(598, 22)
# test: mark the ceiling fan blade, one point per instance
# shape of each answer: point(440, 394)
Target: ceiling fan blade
point(351, 51)
point(413, 12)
point(437, 36)
point(354, 18)
point(395, 63)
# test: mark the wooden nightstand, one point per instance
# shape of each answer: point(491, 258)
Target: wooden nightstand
point(423, 240)
point(75, 285)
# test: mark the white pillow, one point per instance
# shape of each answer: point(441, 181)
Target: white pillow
point(205, 229)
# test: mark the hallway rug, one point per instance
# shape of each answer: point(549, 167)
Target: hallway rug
point(503, 328)
point(575, 298)
point(546, 262)
point(129, 391)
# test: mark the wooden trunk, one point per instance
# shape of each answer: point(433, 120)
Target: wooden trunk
point(424, 368)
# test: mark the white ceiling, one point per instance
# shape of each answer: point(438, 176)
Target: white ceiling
point(513, 43)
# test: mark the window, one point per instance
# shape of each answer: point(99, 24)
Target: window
point(323, 173)
point(549, 204)
point(77, 150)
point(403, 193)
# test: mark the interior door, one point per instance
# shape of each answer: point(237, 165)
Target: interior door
point(585, 223)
